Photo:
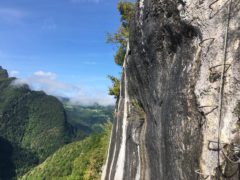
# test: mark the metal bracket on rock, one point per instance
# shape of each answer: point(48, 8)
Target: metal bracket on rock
point(211, 146)
point(210, 7)
point(201, 174)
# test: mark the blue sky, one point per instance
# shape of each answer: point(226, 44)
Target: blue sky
point(60, 42)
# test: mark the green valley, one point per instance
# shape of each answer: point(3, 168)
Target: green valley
point(82, 160)
point(91, 118)
point(35, 127)
point(33, 123)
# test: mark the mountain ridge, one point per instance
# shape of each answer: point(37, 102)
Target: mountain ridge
point(34, 126)
point(32, 122)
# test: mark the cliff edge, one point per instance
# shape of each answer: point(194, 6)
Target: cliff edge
point(178, 113)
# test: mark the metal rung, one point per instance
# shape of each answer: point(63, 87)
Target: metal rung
point(211, 146)
point(229, 65)
point(200, 173)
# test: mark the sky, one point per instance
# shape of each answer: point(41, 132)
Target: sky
point(59, 46)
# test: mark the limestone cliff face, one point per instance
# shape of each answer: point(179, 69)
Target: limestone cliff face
point(178, 113)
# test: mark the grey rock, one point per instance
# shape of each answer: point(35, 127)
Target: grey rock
point(172, 97)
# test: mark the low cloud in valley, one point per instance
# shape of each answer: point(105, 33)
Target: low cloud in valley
point(49, 83)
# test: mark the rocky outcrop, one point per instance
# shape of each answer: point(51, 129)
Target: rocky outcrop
point(178, 112)
point(3, 73)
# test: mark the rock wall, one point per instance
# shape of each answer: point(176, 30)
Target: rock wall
point(178, 113)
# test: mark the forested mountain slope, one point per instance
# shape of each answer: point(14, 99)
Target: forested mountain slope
point(82, 160)
point(88, 119)
point(32, 125)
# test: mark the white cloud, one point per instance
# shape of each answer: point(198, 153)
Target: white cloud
point(86, 99)
point(20, 82)
point(42, 74)
point(13, 73)
point(48, 82)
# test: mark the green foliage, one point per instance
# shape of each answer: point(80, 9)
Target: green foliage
point(23, 159)
point(3, 73)
point(120, 38)
point(33, 126)
point(48, 135)
point(33, 123)
point(6, 164)
point(138, 108)
point(126, 10)
point(81, 160)
point(120, 55)
point(89, 119)
point(115, 89)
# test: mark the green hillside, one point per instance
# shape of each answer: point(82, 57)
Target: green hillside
point(7, 168)
point(35, 127)
point(32, 124)
point(88, 119)
point(81, 160)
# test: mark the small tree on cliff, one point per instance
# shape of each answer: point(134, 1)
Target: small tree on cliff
point(115, 89)
point(120, 38)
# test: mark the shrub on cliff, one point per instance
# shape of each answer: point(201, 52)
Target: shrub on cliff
point(120, 38)
point(115, 89)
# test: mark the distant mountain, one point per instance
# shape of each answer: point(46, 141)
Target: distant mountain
point(33, 125)
point(88, 119)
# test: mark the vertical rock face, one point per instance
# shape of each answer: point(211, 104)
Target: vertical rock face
point(178, 113)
